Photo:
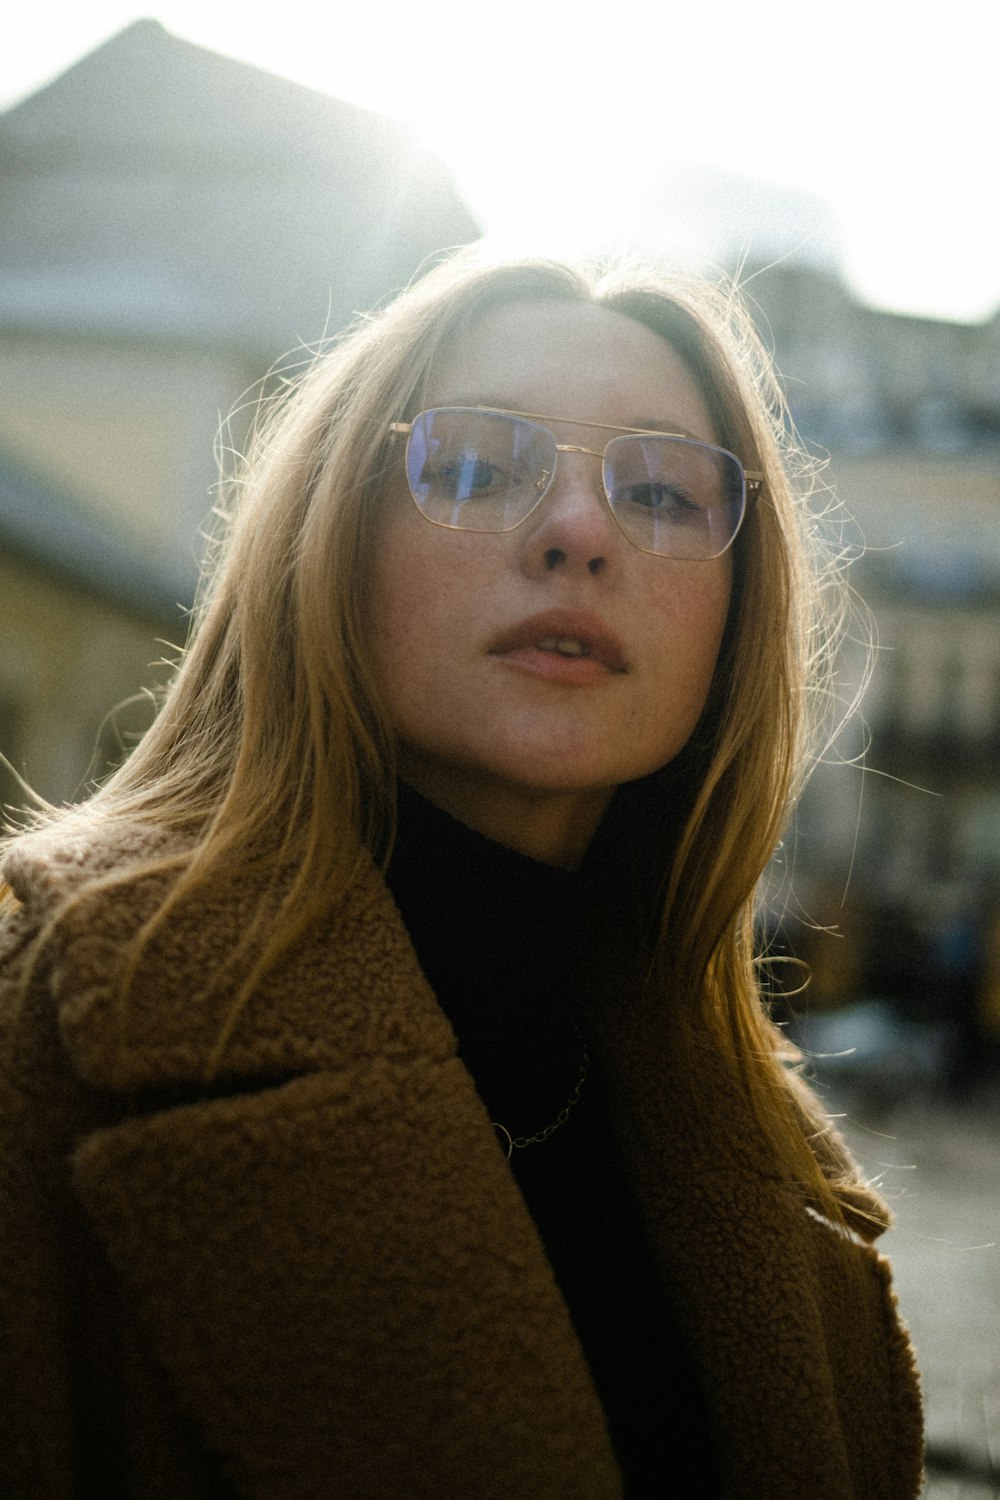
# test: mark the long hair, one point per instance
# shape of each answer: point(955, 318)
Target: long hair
point(272, 749)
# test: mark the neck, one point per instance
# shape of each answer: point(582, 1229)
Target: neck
point(554, 828)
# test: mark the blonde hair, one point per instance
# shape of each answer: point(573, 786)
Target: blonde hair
point(272, 748)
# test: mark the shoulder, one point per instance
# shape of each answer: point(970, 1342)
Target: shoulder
point(146, 987)
point(56, 933)
point(46, 871)
point(69, 897)
point(865, 1214)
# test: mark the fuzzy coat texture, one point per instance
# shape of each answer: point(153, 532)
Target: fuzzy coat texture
point(317, 1277)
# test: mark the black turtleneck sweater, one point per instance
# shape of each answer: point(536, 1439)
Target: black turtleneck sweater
point(500, 939)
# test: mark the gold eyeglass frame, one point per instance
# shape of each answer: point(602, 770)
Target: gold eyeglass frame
point(753, 479)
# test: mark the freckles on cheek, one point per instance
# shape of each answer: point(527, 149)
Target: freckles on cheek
point(690, 624)
point(687, 609)
point(413, 604)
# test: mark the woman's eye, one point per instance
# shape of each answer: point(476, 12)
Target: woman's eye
point(662, 498)
point(466, 476)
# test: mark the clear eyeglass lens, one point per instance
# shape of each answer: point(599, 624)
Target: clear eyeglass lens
point(675, 496)
point(486, 471)
point(478, 471)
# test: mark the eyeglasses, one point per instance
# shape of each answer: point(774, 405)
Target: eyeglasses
point(470, 468)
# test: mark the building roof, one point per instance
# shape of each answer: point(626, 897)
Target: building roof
point(160, 189)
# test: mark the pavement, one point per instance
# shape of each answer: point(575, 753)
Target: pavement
point(937, 1162)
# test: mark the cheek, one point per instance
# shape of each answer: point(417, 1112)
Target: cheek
point(397, 612)
point(416, 608)
point(712, 622)
point(718, 600)
point(390, 609)
point(717, 606)
point(689, 646)
point(692, 608)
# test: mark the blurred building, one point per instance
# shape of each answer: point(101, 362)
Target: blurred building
point(908, 410)
point(172, 222)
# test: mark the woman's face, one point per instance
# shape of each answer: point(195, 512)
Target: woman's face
point(524, 741)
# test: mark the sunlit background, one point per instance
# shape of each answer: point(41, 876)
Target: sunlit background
point(863, 133)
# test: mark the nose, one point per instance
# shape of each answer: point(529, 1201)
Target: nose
point(573, 528)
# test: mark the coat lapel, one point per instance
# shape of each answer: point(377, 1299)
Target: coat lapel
point(791, 1321)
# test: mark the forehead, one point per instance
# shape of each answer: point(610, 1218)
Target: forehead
point(566, 359)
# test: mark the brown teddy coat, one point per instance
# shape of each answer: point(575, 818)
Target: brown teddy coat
point(318, 1278)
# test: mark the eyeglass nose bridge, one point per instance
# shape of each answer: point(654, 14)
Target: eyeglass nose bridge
point(575, 448)
point(545, 480)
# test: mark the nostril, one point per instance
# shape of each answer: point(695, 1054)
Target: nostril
point(554, 557)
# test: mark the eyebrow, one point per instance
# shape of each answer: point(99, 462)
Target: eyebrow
point(642, 424)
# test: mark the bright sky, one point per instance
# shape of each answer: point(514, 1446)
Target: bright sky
point(866, 130)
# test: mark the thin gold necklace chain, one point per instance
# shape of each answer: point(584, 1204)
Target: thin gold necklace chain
point(520, 1141)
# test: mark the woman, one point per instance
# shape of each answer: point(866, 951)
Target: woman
point(390, 1107)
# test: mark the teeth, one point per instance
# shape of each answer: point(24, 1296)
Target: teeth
point(564, 645)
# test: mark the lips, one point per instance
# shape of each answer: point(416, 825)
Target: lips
point(567, 634)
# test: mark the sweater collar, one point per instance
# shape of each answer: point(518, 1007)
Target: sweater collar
point(481, 915)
